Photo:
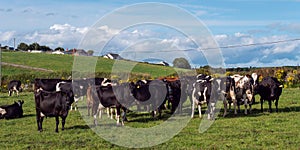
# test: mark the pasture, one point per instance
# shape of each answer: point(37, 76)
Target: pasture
point(255, 131)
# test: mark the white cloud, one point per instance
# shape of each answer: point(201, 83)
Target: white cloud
point(6, 36)
point(63, 35)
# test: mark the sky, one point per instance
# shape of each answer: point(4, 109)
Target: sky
point(257, 33)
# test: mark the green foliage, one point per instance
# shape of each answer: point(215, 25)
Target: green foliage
point(181, 63)
point(23, 47)
point(59, 49)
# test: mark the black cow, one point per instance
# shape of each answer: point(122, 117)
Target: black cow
point(269, 89)
point(14, 85)
point(150, 93)
point(52, 104)
point(176, 93)
point(12, 111)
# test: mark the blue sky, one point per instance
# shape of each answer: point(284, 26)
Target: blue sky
point(231, 22)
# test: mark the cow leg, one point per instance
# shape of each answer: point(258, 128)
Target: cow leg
point(270, 106)
point(234, 106)
point(100, 114)
point(225, 107)
point(57, 123)
point(118, 115)
point(124, 118)
point(63, 122)
point(39, 120)
point(9, 92)
point(276, 104)
point(193, 110)
point(245, 103)
point(261, 105)
point(199, 109)
point(41, 124)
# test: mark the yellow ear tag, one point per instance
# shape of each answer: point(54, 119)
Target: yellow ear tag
point(138, 87)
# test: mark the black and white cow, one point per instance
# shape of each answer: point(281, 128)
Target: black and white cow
point(47, 84)
point(228, 93)
point(202, 93)
point(269, 89)
point(244, 91)
point(52, 104)
point(12, 111)
point(80, 87)
point(104, 97)
point(14, 86)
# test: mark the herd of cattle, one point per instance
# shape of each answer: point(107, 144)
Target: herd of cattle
point(55, 97)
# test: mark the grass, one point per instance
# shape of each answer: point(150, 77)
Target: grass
point(255, 131)
point(64, 63)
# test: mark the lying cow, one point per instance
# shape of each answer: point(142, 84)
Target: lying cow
point(269, 89)
point(14, 86)
point(12, 111)
point(53, 104)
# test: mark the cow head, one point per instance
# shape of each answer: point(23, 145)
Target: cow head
point(20, 102)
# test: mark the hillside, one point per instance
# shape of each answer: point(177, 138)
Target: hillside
point(60, 66)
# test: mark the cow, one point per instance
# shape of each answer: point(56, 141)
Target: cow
point(227, 92)
point(12, 111)
point(104, 97)
point(202, 94)
point(14, 86)
point(176, 93)
point(52, 104)
point(244, 91)
point(269, 89)
point(151, 92)
point(47, 84)
point(80, 87)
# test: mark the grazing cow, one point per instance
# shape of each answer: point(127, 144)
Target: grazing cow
point(12, 111)
point(104, 97)
point(244, 91)
point(150, 93)
point(52, 104)
point(269, 89)
point(14, 85)
point(202, 93)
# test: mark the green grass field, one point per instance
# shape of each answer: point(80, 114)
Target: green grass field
point(64, 63)
point(255, 131)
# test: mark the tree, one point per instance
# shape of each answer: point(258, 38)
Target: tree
point(90, 52)
point(45, 48)
point(181, 63)
point(59, 49)
point(23, 47)
point(34, 46)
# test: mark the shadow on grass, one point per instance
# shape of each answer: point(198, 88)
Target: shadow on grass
point(257, 112)
point(79, 127)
